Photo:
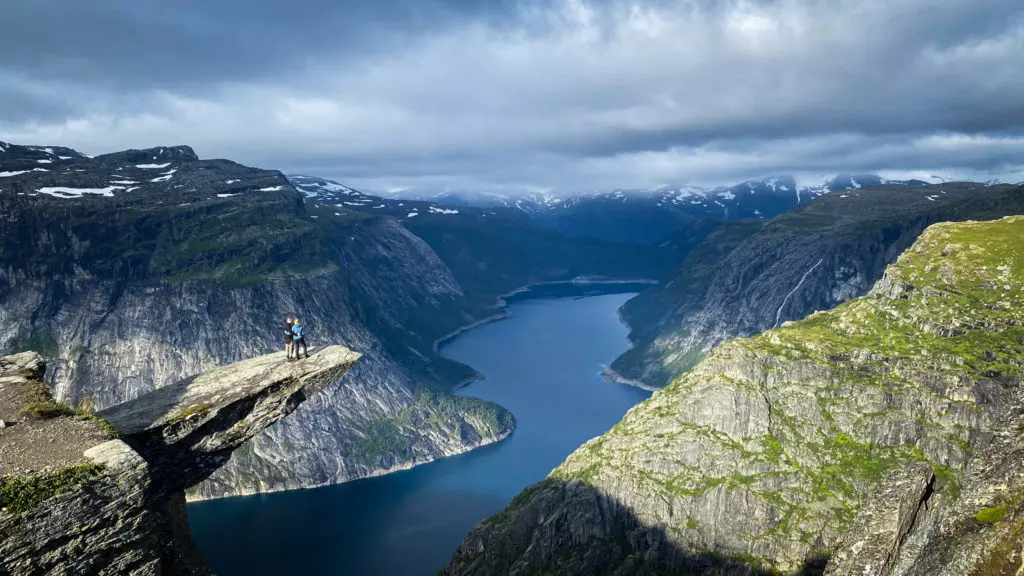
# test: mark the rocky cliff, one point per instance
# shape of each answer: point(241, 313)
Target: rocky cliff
point(751, 276)
point(82, 494)
point(132, 270)
point(761, 457)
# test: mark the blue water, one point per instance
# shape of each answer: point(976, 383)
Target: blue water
point(543, 364)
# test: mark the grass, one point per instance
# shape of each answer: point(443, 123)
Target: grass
point(22, 494)
point(991, 515)
point(194, 410)
point(42, 406)
point(906, 358)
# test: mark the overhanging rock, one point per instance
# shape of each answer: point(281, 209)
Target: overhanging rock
point(187, 430)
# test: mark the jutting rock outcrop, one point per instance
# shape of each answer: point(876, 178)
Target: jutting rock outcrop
point(84, 494)
point(764, 456)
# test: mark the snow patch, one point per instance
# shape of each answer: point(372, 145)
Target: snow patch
point(411, 214)
point(435, 210)
point(45, 161)
point(166, 176)
point(151, 166)
point(125, 182)
point(15, 173)
point(271, 189)
point(226, 195)
point(61, 192)
point(231, 181)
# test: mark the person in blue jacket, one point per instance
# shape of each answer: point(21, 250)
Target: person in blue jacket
point(299, 337)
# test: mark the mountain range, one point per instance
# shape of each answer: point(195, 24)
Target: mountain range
point(132, 270)
point(838, 368)
point(646, 216)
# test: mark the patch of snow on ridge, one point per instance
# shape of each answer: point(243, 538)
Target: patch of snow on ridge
point(45, 161)
point(125, 182)
point(435, 210)
point(271, 189)
point(152, 166)
point(15, 173)
point(165, 176)
point(226, 195)
point(231, 181)
point(61, 192)
point(411, 214)
point(727, 196)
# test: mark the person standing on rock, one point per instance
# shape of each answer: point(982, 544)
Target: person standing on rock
point(299, 335)
point(289, 338)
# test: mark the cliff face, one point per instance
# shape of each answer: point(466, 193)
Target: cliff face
point(130, 271)
point(762, 455)
point(94, 504)
point(747, 277)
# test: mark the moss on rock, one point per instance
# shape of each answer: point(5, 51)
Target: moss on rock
point(20, 494)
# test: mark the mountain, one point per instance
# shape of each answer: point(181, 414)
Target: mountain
point(132, 270)
point(750, 276)
point(764, 457)
point(650, 216)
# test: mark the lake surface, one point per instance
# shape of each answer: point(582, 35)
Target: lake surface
point(543, 364)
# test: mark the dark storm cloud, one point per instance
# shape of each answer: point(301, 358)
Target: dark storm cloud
point(544, 94)
point(193, 46)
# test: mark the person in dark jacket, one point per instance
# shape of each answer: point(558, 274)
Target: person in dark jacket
point(289, 338)
point(299, 335)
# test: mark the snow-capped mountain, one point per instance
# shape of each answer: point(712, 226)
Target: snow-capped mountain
point(625, 215)
point(328, 193)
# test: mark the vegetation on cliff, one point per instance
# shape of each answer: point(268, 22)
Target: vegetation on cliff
point(747, 277)
point(768, 447)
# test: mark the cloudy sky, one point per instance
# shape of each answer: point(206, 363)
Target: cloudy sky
point(545, 94)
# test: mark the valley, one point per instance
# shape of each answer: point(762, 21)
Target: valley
point(128, 272)
point(544, 357)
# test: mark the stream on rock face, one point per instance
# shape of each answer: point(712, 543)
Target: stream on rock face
point(543, 364)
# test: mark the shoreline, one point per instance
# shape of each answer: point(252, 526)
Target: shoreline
point(609, 374)
point(502, 314)
point(375, 473)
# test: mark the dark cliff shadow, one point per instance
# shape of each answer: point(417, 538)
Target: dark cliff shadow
point(567, 528)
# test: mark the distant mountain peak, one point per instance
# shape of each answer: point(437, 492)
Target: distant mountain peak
point(154, 155)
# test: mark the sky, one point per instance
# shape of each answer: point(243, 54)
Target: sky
point(537, 95)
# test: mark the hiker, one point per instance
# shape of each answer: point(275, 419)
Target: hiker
point(299, 337)
point(289, 338)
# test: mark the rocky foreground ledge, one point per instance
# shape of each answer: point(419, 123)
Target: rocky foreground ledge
point(84, 494)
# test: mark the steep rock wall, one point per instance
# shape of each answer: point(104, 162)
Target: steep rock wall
point(748, 277)
point(763, 454)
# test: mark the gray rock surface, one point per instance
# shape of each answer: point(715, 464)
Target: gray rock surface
point(192, 263)
point(978, 531)
point(747, 277)
point(763, 454)
point(190, 428)
point(119, 509)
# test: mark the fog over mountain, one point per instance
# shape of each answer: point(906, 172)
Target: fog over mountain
point(545, 95)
